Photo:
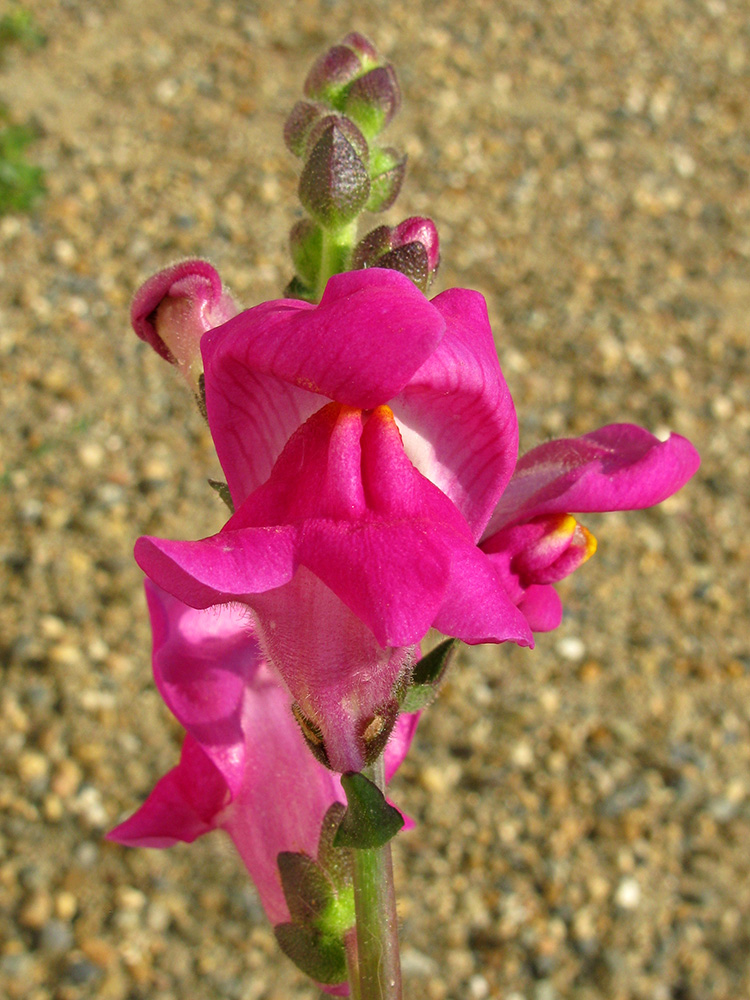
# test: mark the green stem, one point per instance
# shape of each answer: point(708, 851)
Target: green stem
point(377, 923)
point(352, 964)
point(335, 253)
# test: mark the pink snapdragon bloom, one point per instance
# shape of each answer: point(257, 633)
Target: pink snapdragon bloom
point(173, 310)
point(244, 766)
point(532, 538)
point(366, 441)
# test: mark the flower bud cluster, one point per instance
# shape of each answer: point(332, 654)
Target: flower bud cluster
point(412, 247)
point(351, 94)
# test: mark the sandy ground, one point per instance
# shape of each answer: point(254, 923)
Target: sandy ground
point(582, 811)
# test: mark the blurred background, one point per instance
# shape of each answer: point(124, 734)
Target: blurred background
point(583, 810)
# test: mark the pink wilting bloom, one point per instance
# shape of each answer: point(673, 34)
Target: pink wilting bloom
point(244, 766)
point(366, 442)
point(173, 310)
point(532, 538)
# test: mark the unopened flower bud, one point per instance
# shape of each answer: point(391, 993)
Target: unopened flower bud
point(387, 170)
point(347, 128)
point(334, 186)
point(412, 248)
point(173, 310)
point(362, 46)
point(297, 127)
point(332, 72)
point(419, 229)
point(373, 99)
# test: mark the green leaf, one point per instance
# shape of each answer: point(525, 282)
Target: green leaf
point(320, 957)
point(223, 490)
point(307, 890)
point(369, 821)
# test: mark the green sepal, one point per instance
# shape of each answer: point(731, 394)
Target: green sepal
point(306, 244)
point(337, 863)
point(223, 490)
point(428, 675)
point(369, 821)
point(307, 890)
point(387, 172)
point(297, 289)
point(319, 956)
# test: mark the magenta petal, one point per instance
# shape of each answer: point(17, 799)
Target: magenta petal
point(456, 414)
point(400, 741)
point(203, 664)
point(183, 805)
point(284, 795)
point(252, 416)
point(541, 607)
point(330, 660)
point(392, 576)
point(476, 606)
point(223, 568)
point(618, 467)
point(360, 346)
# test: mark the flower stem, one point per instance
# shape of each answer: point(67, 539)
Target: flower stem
point(335, 253)
point(352, 965)
point(377, 925)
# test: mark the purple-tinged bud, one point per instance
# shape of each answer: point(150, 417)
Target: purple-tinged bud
point(332, 72)
point(373, 99)
point(419, 229)
point(387, 172)
point(362, 46)
point(412, 248)
point(173, 310)
point(306, 244)
point(371, 248)
point(347, 127)
point(334, 186)
point(297, 127)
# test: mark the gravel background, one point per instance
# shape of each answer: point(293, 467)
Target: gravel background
point(583, 811)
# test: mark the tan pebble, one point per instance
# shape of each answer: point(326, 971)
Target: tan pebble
point(36, 911)
point(52, 627)
point(67, 778)
point(91, 454)
point(130, 898)
point(440, 779)
point(89, 753)
point(14, 715)
point(99, 952)
point(65, 655)
point(66, 905)
point(53, 808)
point(32, 766)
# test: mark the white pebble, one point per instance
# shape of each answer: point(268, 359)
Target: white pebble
point(628, 894)
point(571, 648)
